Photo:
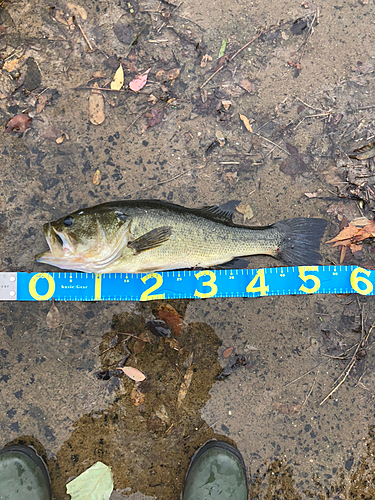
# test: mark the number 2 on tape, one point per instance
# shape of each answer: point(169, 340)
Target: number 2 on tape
point(159, 281)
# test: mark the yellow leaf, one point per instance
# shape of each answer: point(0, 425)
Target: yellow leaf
point(97, 178)
point(246, 123)
point(118, 79)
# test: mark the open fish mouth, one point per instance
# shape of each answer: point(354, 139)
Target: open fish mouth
point(59, 245)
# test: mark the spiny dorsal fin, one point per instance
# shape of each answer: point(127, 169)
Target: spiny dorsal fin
point(152, 239)
point(222, 212)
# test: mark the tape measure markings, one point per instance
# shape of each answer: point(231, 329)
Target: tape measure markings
point(302, 280)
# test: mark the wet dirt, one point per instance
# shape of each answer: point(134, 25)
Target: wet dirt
point(307, 87)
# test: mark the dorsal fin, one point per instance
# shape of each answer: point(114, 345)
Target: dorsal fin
point(222, 212)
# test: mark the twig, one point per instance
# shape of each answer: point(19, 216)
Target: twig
point(99, 88)
point(91, 48)
point(172, 12)
point(311, 389)
point(273, 143)
point(303, 375)
point(349, 367)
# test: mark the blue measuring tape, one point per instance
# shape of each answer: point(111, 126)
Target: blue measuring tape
point(192, 284)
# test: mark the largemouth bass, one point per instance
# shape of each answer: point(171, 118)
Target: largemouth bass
point(139, 236)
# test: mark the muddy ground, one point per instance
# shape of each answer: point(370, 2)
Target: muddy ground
point(306, 85)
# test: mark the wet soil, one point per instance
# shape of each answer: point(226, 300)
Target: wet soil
point(306, 84)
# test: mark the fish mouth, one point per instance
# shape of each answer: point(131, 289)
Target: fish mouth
point(59, 245)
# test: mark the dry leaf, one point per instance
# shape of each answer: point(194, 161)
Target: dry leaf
point(205, 59)
point(246, 122)
point(173, 74)
point(139, 82)
point(247, 85)
point(287, 409)
point(133, 373)
point(155, 117)
point(97, 178)
point(226, 104)
point(227, 352)
point(354, 234)
point(53, 317)
point(231, 177)
point(173, 344)
point(139, 345)
point(169, 314)
point(161, 76)
point(42, 100)
point(118, 79)
point(245, 210)
point(18, 124)
point(12, 64)
point(311, 195)
point(96, 106)
point(185, 386)
point(137, 397)
point(77, 10)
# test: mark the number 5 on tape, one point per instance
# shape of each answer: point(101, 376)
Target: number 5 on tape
point(315, 285)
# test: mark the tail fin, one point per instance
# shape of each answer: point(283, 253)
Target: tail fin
point(301, 240)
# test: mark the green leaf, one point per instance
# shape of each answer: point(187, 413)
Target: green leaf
point(95, 483)
point(223, 47)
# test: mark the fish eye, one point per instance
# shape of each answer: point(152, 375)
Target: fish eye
point(68, 221)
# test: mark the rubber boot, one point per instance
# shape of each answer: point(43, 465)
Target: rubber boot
point(216, 471)
point(23, 474)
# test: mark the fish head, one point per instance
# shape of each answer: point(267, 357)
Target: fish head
point(87, 240)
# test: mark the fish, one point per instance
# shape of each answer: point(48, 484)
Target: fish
point(142, 236)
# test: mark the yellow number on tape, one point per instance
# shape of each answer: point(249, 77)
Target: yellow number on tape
point(305, 277)
point(210, 283)
point(32, 286)
point(262, 288)
point(159, 281)
point(355, 279)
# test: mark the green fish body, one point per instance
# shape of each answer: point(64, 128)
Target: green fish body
point(137, 236)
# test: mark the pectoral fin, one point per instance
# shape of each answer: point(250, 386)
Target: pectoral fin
point(152, 239)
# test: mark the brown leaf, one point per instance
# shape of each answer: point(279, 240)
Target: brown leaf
point(42, 100)
point(246, 210)
point(354, 234)
point(137, 397)
point(247, 85)
point(246, 122)
point(173, 74)
point(53, 317)
point(139, 345)
point(205, 59)
point(227, 352)
point(155, 117)
point(287, 409)
point(185, 386)
point(294, 163)
point(96, 106)
point(18, 124)
point(169, 314)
